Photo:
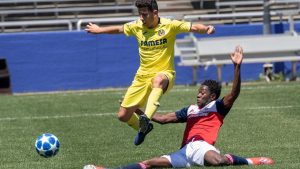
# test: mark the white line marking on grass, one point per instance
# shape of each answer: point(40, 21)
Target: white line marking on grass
point(114, 114)
point(179, 88)
point(54, 117)
point(244, 87)
point(265, 107)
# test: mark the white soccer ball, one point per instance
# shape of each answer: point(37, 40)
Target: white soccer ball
point(47, 145)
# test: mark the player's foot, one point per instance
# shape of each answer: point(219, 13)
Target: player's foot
point(145, 127)
point(260, 161)
point(93, 167)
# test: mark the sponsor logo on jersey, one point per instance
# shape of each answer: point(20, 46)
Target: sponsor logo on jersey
point(154, 42)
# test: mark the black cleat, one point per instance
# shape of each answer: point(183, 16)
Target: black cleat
point(145, 127)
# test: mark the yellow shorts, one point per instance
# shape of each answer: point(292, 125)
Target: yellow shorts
point(137, 94)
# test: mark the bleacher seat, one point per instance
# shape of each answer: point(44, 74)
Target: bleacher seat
point(13, 11)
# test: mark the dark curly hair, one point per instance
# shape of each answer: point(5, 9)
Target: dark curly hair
point(213, 86)
point(150, 4)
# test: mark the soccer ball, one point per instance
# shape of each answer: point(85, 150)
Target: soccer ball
point(47, 145)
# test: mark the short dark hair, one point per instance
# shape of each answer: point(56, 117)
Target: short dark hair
point(213, 86)
point(150, 4)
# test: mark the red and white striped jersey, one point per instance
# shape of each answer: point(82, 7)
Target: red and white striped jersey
point(202, 123)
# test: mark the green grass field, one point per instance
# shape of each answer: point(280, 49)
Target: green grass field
point(265, 121)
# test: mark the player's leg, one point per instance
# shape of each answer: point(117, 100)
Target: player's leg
point(127, 115)
point(130, 166)
point(236, 160)
point(196, 152)
point(159, 85)
point(213, 158)
point(180, 158)
point(133, 99)
point(157, 162)
point(177, 159)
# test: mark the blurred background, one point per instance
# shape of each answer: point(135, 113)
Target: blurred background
point(44, 48)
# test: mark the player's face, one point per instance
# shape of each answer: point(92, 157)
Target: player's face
point(204, 96)
point(147, 16)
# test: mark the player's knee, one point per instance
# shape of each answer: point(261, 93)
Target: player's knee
point(216, 161)
point(157, 82)
point(122, 116)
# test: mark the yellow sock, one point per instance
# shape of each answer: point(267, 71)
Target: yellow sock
point(153, 102)
point(134, 121)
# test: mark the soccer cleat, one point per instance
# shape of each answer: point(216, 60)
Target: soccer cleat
point(145, 128)
point(93, 167)
point(260, 161)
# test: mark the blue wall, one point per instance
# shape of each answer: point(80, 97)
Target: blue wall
point(76, 60)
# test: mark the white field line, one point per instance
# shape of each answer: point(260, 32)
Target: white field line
point(114, 114)
point(54, 117)
point(265, 107)
point(175, 89)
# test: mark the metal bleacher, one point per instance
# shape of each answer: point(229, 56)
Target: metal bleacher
point(205, 52)
point(33, 15)
point(51, 15)
point(249, 11)
point(59, 12)
point(257, 48)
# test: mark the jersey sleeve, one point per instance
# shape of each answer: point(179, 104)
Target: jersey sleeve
point(221, 108)
point(129, 28)
point(182, 114)
point(181, 26)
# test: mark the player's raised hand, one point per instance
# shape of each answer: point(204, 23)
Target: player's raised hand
point(237, 55)
point(92, 28)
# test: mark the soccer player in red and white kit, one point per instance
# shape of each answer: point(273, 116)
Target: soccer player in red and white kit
point(203, 122)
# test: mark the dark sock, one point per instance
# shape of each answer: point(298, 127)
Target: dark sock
point(131, 166)
point(235, 160)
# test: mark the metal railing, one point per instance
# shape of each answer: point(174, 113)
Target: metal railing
point(234, 4)
point(56, 11)
point(78, 23)
point(24, 24)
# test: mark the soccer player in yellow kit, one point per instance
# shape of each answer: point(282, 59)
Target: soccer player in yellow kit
point(156, 38)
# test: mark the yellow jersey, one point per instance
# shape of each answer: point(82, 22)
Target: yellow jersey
point(156, 46)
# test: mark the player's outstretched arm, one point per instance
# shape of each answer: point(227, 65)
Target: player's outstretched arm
point(95, 29)
point(165, 118)
point(161, 118)
point(236, 58)
point(203, 29)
